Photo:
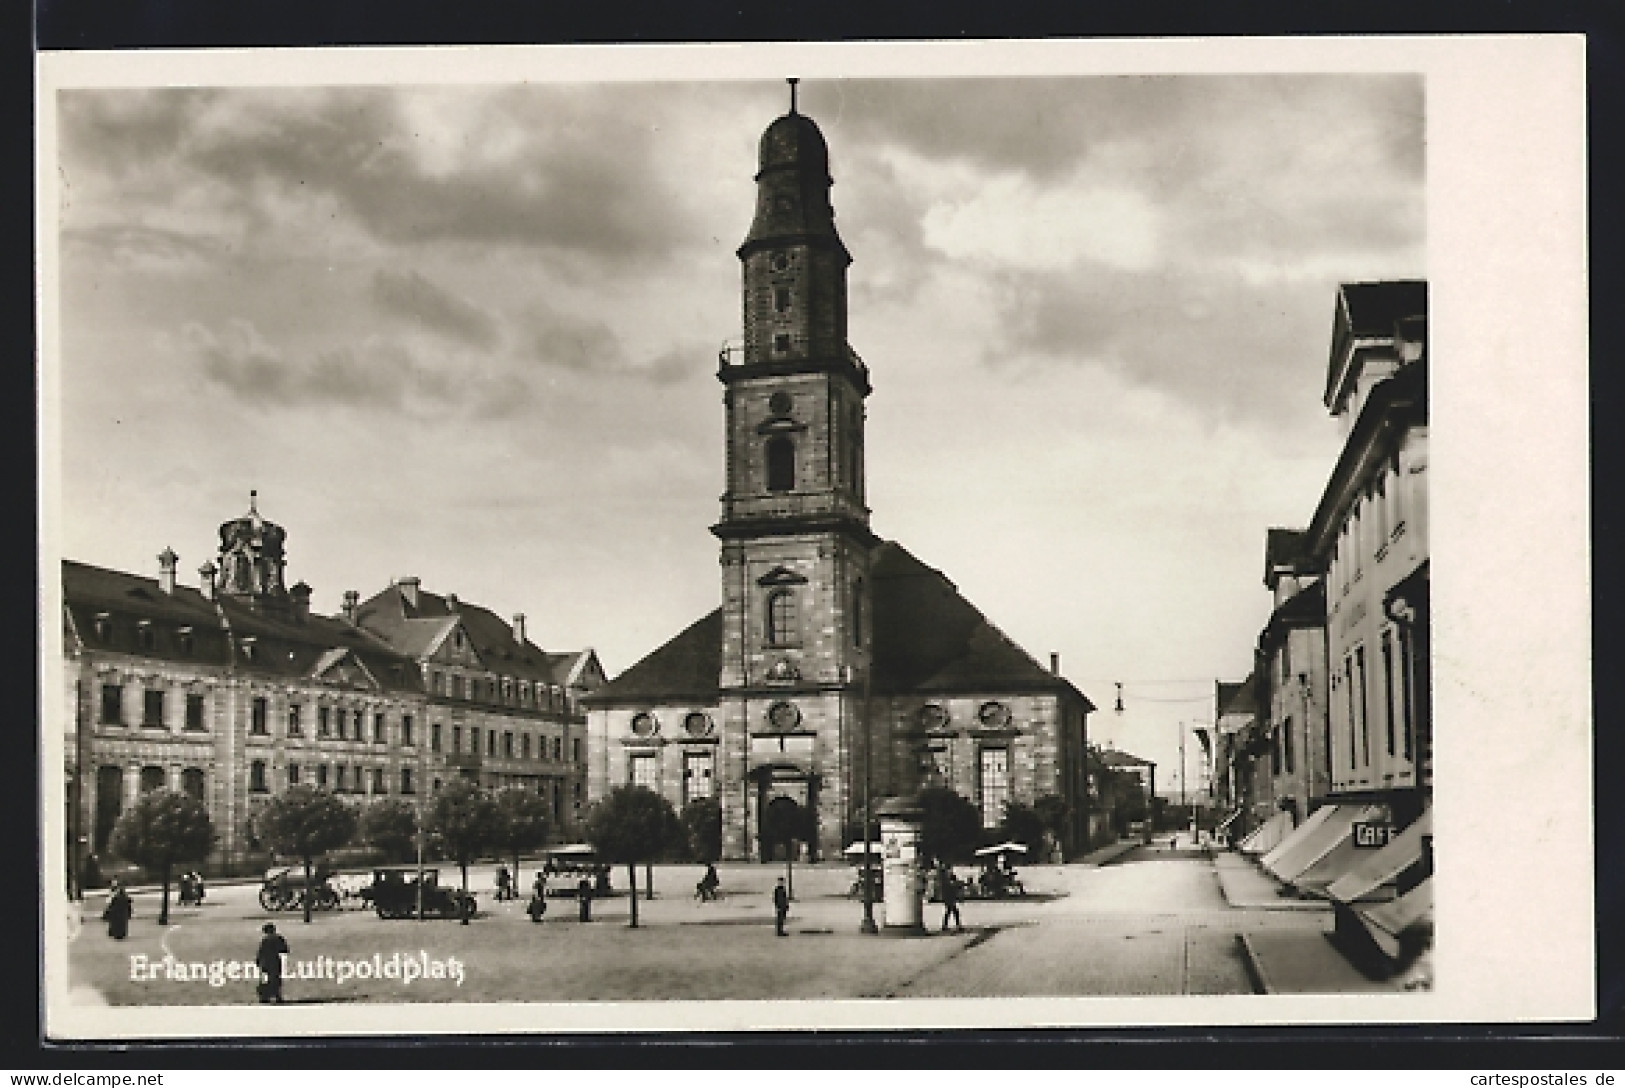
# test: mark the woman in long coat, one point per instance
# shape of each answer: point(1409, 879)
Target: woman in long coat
point(117, 914)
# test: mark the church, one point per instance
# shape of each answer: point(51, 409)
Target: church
point(838, 664)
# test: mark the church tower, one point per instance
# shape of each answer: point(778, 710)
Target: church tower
point(795, 534)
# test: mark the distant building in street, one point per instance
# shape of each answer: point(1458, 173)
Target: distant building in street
point(234, 691)
point(836, 658)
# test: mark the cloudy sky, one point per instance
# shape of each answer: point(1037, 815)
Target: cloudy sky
point(470, 334)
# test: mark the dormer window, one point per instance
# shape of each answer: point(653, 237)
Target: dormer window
point(185, 641)
point(144, 637)
point(249, 645)
point(104, 626)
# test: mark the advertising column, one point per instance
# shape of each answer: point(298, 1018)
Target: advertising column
point(900, 853)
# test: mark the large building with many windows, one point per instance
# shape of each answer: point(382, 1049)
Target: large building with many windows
point(837, 659)
point(235, 690)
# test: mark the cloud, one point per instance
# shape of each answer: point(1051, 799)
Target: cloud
point(411, 295)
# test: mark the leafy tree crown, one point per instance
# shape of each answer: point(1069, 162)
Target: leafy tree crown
point(164, 828)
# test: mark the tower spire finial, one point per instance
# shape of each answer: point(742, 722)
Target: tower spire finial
point(792, 81)
point(253, 501)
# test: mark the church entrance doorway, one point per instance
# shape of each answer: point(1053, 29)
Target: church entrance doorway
point(786, 814)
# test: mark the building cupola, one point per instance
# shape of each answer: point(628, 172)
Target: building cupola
point(251, 559)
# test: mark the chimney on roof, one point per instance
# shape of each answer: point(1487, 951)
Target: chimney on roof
point(1055, 663)
point(166, 570)
point(409, 589)
point(519, 628)
point(300, 596)
point(206, 575)
point(451, 602)
point(351, 600)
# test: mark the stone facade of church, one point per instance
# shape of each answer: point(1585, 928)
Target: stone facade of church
point(837, 659)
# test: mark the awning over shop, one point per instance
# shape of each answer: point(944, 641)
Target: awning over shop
point(1369, 875)
point(1269, 833)
point(1324, 832)
point(1343, 855)
point(1389, 922)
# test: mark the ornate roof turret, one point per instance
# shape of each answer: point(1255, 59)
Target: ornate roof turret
point(792, 185)
point(251, 558)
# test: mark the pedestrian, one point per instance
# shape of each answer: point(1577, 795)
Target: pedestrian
point(117, 914)
point(273, 946)
point(948, 888)
point(781, 906)
point(537, 905)
point(707, 887)
point(584, 898)
point(539, 889)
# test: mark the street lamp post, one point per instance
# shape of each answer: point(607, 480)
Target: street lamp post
point(421, 833)
point(868, 923)
point(1183, 800)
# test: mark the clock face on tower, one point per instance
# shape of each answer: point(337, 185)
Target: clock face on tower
point(781, 259)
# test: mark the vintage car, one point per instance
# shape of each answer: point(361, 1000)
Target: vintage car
point(284, 889)
point(572, 863)
point(394, 894)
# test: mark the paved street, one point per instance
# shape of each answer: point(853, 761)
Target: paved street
point(1153, 922)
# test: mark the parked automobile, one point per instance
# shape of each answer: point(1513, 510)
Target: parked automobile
point(394, 894)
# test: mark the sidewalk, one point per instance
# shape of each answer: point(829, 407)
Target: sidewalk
point(1109, 853)
point(1246, 885)
point(1304, 961)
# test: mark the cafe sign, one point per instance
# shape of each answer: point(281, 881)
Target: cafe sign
point(1372, 834)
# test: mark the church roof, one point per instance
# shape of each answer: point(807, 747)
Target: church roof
point(927, 640)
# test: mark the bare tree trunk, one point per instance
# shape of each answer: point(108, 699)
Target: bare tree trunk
point(632, 873)
point(163, 909)
point(649, 881)
point(308, 895)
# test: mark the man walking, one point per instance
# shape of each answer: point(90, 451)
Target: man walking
point(781, 906)
point(584, 898)
point(269, 960)
point(948, 889)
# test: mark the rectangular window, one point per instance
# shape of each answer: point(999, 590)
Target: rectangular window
point(558, 749)
point(256, 776)
point(194, 713)
point(491, 744)
point(406, 731)
point(1354, 725)
point(112, 704)
point(406, 780)
point(1365, 721)
point(1388, 689)
point(1407, 690)
point(575, 750)
point(644, 771)
point(524, 746)
point(457, 738)
point(293, 774)
point(321, 775)
point(1286, 745)
point(1286, 659)
point(1277, 756)
point(257, 716)
point(507, 746)
point(295, 727)
point(338, 778)
point(438, 682)
point(378, 728)
point(357, 723)
point(457, 687)
point(152, 709)
point(781, 299)
point(995, 785)
point(324, 726)
point(558, 801)
point(698, 777)
point(378, 780)
point(434, 737)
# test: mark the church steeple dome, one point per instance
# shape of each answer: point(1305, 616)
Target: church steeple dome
point(792, 186)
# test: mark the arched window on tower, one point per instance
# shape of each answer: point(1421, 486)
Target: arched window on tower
point(781, 618)
point(857, 613)
point(781, 464)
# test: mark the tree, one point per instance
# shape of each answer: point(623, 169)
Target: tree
point(162, 829)
point(702, 819)
point(949, 825)
point(633, 825)
point(306, 822)
point(1023, 824)
point(391, 826)
point(465, 819)
point(521, 822)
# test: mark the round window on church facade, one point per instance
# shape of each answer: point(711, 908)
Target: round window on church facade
point(698, 724)
point(784, 715)
point(644, 724)
point(994, 715)
point(779, 403)
point(932, 716)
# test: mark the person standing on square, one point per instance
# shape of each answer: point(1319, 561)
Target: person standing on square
point(781, 906)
